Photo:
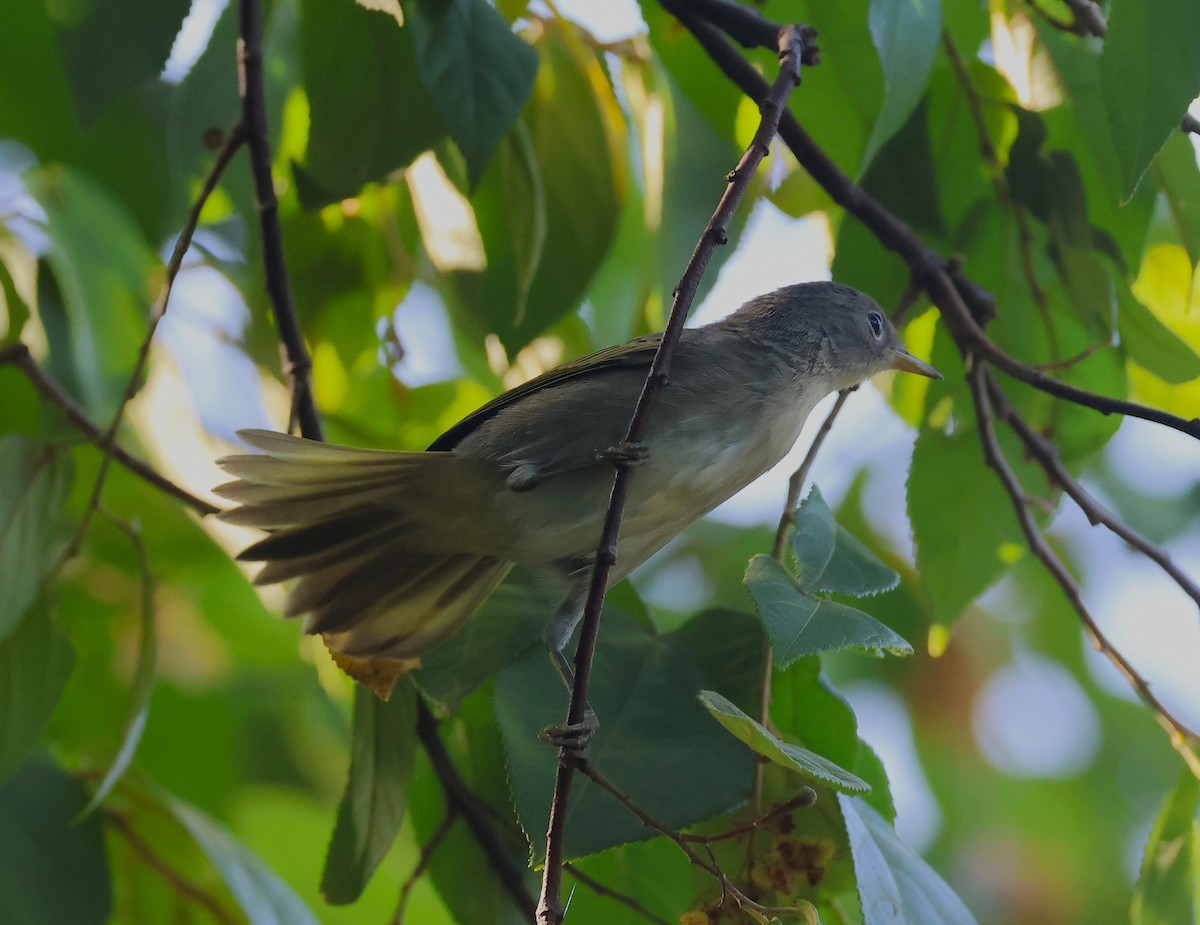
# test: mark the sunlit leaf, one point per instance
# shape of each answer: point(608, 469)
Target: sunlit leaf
point(477, 71)
point(655, 741)
point(895, 884)
point(36, 480)
point(105, 57)
point(264, 898)
point(376, 794)
point(800, 624)
point(1146, 103)
point(765, 743)
point(1152, 345)
point(369, 119)
point(52, 868)
point(35, 663)
point(1177, 177)
point(829, 558)
point(907, 34)
point(1168, 889)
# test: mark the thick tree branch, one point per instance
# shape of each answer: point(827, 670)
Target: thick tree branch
point(791, 43)
point(297, 365)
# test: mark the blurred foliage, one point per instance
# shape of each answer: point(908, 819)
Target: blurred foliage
point(497, 167)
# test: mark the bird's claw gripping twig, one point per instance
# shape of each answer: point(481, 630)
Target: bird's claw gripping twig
point(573, 737)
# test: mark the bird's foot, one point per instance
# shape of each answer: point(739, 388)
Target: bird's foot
point(572, 737)
point(625, 454)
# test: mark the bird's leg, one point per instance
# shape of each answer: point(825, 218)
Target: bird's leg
point(571, 736)
point(625, 454)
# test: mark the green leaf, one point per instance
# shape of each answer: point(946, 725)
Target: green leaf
point(35, 663)
point(829, 558)
point(1151, 344)
point(895, 885)
point(36, 479)
point(1150, 73)
point(1175, 172)
point(961, 520)
point(265, 898)
point(52, 869)
point(366, 120)
point(376, 795)
point(801, 624)
point(105, 57)
point(1168, 888)
point(765, 743)
point(477, 71)
point(906, 35)
point(143, 686)
point(655, 741)
point(103, 268)
point(503, 630)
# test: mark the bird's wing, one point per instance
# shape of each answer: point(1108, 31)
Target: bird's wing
point(638, 352)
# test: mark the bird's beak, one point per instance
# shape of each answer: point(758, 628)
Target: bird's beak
point(902, 359)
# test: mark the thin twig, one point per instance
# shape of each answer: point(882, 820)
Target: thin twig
point(806, 797)
point(1089, 17)
point(682, 842)
point(297, 365)
point(18, 355)
point(232, 142)
point(428, 850)
point(791, 43)
point(1048, 457)
point(601, 890)
point(178, 881)
point(796, 483)
point(1184, 740)
point(1190, 124)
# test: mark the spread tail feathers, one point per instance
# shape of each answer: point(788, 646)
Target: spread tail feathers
point(390, 563)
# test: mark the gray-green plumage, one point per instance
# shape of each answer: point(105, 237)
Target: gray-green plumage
point(394, 551)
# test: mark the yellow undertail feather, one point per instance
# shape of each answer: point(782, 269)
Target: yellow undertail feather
point(380, 577)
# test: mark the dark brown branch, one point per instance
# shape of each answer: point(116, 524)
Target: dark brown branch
point(601, 890)
point(791, 43)
point(745, 25)
point(428, 850)
point(806, 797)
point(963, 307)
point(461, 800)
point(297, 365)
point(18, 355)
point(1047, 456)
point(1089, 18)
point(682, 841)
point(1185, 741)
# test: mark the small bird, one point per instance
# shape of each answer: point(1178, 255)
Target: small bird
point(396, 551)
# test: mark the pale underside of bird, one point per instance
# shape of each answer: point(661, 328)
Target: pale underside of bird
point(391, 552)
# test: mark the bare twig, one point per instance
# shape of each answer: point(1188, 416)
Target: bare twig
point(1089, 18)
point(1047, 456)
point(791, 43)
point(232, 142)
point(1190, 124)
point(682, 841)
point(178, 881)
point(601, 890)
point(806, 797)
point(427, 852)
point(18, 355)
point(297, 365)
point(1185, 740)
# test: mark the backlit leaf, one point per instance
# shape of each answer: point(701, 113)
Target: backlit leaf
point(906, 34)
point(829, 558)
point(1168, 888)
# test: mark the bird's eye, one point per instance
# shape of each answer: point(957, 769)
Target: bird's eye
point(875, 320)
